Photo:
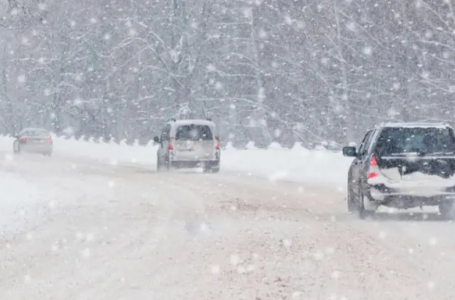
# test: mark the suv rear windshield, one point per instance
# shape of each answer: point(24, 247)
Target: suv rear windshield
point(194, 133)
point(421, 141)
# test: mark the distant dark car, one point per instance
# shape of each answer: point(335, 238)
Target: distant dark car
point(33, 140)
point(403, 165)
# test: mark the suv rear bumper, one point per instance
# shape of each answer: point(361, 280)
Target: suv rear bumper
point(384, 195)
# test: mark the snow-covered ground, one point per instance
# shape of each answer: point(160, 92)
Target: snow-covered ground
point(112, 228)
point(297, 164)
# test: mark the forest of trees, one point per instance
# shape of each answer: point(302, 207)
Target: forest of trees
point(263, 70)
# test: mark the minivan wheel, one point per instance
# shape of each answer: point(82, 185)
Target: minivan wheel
point(447, 209)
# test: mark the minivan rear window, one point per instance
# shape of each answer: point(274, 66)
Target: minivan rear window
point(36, 132)
point(194, 133)
point(421, 141)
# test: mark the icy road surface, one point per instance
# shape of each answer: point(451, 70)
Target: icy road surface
point(122, 232)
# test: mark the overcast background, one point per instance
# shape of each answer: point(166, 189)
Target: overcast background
point(263, 70)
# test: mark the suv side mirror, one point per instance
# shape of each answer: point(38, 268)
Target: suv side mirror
point(349, 151)
point(156, 140)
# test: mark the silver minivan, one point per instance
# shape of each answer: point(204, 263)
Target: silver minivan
point(189, 144)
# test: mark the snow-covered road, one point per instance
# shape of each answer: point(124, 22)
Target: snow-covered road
point(126, 232)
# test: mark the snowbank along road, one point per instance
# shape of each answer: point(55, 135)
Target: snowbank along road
point(97, 231)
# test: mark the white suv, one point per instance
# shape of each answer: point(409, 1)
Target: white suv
point(189, 144)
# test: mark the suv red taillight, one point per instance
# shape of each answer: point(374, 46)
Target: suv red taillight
point(374, 169)
point(170, 147)
point(50, 140)
point(24, 139)
point(217, 144)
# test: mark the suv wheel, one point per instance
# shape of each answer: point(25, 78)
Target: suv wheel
point(350, 199)
point(363, 213)
point(16, 148)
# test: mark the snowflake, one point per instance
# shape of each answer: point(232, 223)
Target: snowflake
point(330, 250)
point(382, 234)
point(247, 13)
point(235, 259)
point(263, 34)
point(89, 237)
point(351, 26)
point(431, 285)
point(107, 36)
point(132, 32)
point(24, 40)
point(288, 20)
point(432, 241)
point(318, 256)
point(93, 20)
point(277, 132)
point(211, 68)
point(21, 78)
point(411, 251)
point(41, 6)
point(335, 275)
point(111, 184)
point(72, 23)
point(86, 252)
point(241, 270)
point(367, 50)
point(215, 269)
point(218, 85)
point(27, 278)
point(287, 243)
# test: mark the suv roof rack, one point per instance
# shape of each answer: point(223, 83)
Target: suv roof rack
point(172, 120)
point(208, 119)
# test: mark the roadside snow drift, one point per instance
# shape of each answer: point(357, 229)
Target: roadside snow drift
point(274, 163)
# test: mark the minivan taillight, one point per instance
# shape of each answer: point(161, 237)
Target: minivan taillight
point(50, 140)
point(217, 144)
point(373, 169)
